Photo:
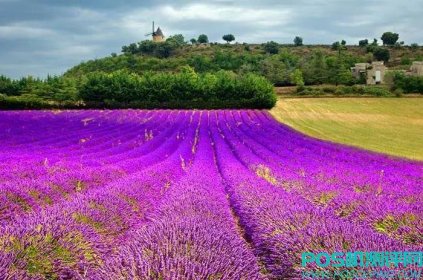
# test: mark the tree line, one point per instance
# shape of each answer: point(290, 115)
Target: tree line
point(184, 89)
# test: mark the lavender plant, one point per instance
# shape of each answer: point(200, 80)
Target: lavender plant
point(177, 194)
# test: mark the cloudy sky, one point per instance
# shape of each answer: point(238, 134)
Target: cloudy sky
point(40, 37)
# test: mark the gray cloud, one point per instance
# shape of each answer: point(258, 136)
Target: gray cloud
point(41, 37)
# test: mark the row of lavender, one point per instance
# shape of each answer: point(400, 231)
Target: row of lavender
point(190, 195)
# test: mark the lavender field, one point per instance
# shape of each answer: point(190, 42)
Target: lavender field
point(131, 194)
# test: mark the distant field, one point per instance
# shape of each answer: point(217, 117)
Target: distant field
point(388, 125)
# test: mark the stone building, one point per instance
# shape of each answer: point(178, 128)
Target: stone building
point(359, 70)
point(373, 73)
point(416, 69)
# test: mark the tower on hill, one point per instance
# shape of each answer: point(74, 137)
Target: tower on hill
point(156, 34)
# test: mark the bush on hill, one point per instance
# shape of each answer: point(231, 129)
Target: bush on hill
point(382, 54)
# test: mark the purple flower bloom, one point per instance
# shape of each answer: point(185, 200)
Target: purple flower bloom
point(177, 194)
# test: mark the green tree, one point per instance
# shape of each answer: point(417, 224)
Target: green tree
point(7, 86)
point(363, 43)
point(228, 38)
point(125, 49)
point(381, 54)
point(177, 40)
point(271, 47)
point(203, 39)
point(398, 45)
point(165, 49)
point(227, 60)
point(336, 46)
point(409, 84)
point(193, 41)
point(315, 69)
point(298, 41)
point(389, 38)
point(131, 49)
point(297, 78)
point(147, 47)
point(414, 47)
point(374, 45)
point(339, 46)
point(338, 71)
point(202, 63)
point(275, 71)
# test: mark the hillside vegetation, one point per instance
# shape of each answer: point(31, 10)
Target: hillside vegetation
point(318, 64)
point(281, 65)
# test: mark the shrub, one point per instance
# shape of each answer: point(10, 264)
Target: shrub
point(398, 92)
point(405, 61)
point(359, 89)
point(257, 89)
point(26, 101)
point(408, 84)
point(377, 91)
point(302, 90)
point(344, 90)
point(329, 89)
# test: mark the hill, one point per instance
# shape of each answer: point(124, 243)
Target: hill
point(318, 63)
point(217, 75)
